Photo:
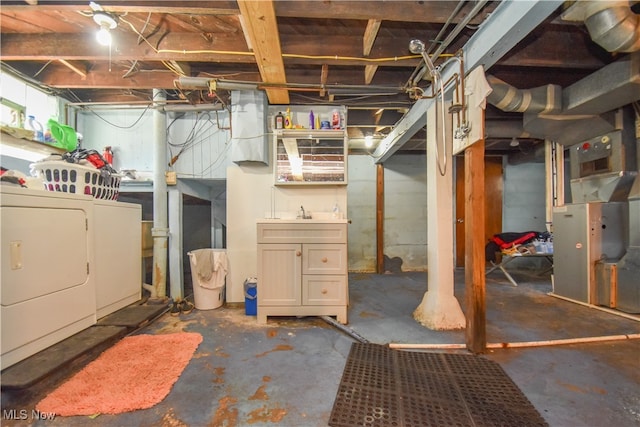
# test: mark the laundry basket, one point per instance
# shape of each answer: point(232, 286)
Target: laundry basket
point(74, 178)
point(208, 275)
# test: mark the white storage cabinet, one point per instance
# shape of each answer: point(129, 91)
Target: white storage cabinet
point(302, 268)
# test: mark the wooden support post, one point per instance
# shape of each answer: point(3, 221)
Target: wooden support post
point(380, 218)
point(476, 334)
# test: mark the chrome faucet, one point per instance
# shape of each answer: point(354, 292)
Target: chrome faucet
point(302, 214)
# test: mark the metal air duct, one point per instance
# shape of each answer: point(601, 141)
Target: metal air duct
point(543, 99)
point(611, 23)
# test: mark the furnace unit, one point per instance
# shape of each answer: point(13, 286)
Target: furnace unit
point(597, 237)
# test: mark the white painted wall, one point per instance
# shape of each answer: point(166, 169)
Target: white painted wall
point(201, 140)
point(250, 192)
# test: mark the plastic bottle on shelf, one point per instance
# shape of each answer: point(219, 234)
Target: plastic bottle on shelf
point(312, 122)
point(335, 120)
point(36, 127)
point(288, 124)
point(279, 121)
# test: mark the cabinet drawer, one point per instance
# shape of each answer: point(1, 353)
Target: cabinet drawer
point(302, 232)
point(324, 259)
point(324, 290)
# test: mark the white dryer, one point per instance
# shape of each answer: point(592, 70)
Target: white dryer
point(46, 290)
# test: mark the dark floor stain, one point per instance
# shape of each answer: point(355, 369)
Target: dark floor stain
point(367, 314)
point(219, 371)
point(260, 394)
point(264, 414)
point(272, 333)
point(226, 415)
point(170, 420)
point(281, 347)
point(218, 352)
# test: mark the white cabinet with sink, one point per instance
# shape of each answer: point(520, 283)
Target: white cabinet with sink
point(302, 268)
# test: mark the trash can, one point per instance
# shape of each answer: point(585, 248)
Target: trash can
point(208, 275)
point(251, 296)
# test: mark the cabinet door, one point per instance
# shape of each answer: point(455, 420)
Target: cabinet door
point(279, 274)
point(324, 259)
point(324, 289)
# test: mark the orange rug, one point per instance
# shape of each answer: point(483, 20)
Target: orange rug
point(136, 373)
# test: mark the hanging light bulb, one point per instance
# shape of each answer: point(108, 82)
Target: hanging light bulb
point(104, 36)
point(107, 23)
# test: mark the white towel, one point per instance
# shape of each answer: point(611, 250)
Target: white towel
point(206, 263)
point(477, 88)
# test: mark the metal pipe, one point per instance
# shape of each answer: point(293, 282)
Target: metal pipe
point(452, 35)
point(160, 230)
point(345, 329)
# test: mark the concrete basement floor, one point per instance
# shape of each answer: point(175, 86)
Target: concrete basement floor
point(287, 372)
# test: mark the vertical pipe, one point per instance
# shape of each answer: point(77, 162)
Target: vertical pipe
point(160, 230)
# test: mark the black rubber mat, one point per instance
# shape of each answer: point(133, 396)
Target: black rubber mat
point(31, 370)
point(105, 332)
point(385, 387)
point(133, 316)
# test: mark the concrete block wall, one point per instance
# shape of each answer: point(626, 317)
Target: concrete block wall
point(361, 196)
point(405, 223)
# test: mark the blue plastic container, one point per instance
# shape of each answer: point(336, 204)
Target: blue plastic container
point(251, 297)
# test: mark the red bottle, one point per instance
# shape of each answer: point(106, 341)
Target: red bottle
point(108, 155)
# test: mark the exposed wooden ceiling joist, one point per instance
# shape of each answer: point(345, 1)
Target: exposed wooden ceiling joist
point(262, 29)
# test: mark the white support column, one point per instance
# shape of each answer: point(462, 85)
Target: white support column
point(439, 309)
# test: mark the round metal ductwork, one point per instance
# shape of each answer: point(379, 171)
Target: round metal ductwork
point(611, 24)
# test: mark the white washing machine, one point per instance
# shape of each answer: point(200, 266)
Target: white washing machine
point(47, 292)
point(118, 255)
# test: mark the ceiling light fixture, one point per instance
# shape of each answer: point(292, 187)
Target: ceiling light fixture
point(107, 23)
point(368, 141)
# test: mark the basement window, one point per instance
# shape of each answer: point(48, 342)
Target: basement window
point(11, 113)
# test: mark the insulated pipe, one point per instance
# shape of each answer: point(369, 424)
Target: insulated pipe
point(160, 230)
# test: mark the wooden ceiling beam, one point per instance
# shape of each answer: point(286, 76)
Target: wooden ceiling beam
point(370, 34)
point(77, 67)
point(324, 74)
point(20, 47)
point(401, 11)
point(262, 30)
point(102, 78)
point(142, 6)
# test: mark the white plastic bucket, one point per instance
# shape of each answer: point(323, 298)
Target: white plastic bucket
point(207, 296)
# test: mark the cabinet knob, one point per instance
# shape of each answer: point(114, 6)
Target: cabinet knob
point(324, 292)
point(298, 253)
point(324, 259)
